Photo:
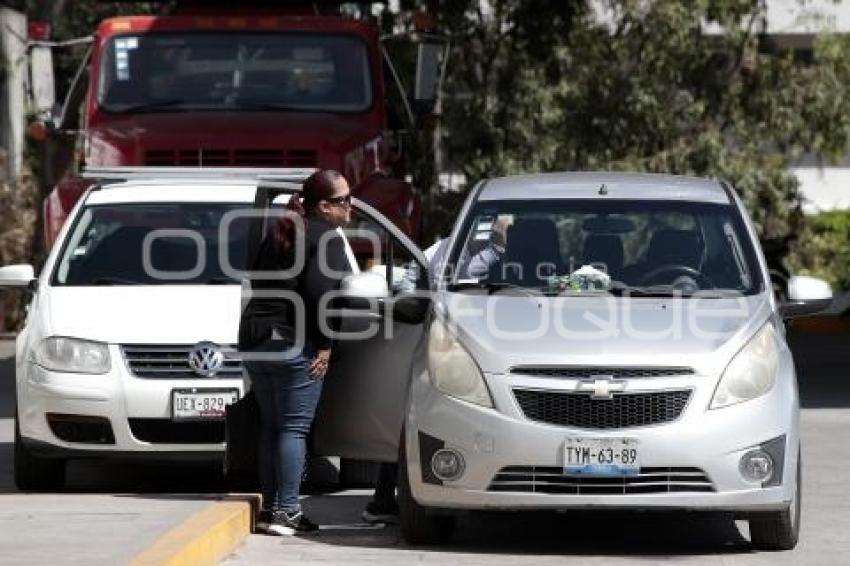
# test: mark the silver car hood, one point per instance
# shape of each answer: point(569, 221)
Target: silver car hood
point(503, 331)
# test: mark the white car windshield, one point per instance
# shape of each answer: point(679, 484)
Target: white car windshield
point(558, 246)
point(152, 244)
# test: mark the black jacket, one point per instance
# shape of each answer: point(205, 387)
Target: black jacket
point(325, 265)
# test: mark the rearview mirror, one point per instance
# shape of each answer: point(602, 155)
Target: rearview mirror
point(430, 57)
point(608, 224)
point(806, 296)
point(41, 77)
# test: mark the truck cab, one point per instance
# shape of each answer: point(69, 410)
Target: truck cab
point(255, 86)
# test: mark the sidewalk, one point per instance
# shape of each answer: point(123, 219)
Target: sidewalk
point(112, 513)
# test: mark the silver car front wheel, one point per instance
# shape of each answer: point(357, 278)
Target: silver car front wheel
point(780, 530)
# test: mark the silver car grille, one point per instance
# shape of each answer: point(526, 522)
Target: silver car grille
point(551, 480)
point(623, 410)
point(587, 372)
point(172, 362)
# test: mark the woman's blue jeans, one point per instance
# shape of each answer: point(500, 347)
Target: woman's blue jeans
point(288, 396)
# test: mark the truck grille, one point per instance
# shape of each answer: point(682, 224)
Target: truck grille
point(172, 362)
point(551, 479)
point(579, 409)
point(248, 157)
point(579, 372)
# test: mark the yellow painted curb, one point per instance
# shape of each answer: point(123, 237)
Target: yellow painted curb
point(206, 537)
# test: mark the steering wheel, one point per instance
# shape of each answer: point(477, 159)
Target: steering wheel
point(677, 269)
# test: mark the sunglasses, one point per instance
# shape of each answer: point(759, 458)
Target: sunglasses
point(344, 199)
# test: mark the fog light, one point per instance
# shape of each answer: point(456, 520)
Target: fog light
point(447, 464)
point(756, 466)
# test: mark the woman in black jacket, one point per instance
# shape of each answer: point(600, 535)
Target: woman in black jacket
point(285, 346)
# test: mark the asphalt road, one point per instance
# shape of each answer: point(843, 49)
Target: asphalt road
point(111, 512)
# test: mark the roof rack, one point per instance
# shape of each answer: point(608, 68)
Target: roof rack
point(279, 174)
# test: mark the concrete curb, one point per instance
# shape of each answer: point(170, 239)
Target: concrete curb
point(206, 537)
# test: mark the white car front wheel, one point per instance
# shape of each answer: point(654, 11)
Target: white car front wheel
point(33, 473)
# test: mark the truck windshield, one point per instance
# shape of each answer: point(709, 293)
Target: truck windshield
point(153, 244)
point(643, 248)
point(162, 72)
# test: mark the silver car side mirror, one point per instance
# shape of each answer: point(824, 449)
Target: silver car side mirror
point(806, 296)
point(366, 285)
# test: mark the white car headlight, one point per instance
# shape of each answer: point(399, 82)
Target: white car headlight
point(751, 373)
point(452, 369)
point(72, 355)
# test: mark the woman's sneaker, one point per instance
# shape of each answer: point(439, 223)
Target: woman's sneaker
point(288, 524)
point(380, 512)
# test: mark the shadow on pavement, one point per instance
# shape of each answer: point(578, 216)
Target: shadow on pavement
point(822, 361)
point(7, 387)
point(142, 477)
point(7, 454)
point(579, 532)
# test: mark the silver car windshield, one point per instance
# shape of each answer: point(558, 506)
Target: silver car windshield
point(159, 72)
point(636, 246)
point(152, 244)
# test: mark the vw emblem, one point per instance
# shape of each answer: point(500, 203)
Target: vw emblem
point(206, 359)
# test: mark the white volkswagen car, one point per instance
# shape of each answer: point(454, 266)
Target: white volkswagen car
point(128, 346)
point(594, 341)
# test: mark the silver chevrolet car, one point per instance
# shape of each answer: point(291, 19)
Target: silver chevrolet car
point(593, 340)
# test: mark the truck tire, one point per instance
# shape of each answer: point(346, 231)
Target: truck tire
point(417, 525)
point(36, 474)
point(357, 473)
point(779, 530)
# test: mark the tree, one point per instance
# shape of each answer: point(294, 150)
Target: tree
point(548, 85)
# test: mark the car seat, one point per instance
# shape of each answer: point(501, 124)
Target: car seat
point(532, 253)
point(605, 249)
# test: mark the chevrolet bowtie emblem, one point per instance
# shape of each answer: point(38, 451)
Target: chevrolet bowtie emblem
point(601, 386)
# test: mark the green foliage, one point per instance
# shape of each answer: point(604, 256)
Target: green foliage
point(823, 249)
point(17, 226)
point(546, 85)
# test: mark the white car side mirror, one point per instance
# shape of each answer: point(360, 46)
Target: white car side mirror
point(21, 275)
point(366, 285)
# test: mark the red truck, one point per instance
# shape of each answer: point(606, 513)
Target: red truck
point(254, 84)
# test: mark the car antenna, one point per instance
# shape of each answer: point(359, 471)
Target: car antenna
point(603, 190)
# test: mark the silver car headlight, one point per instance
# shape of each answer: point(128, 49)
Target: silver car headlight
point(751, 373)
point(452, 369)
point(72, 355)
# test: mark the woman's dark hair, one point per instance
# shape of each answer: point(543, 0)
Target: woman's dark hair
point(318, 186)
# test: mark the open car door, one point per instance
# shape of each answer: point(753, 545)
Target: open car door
point(364, 397)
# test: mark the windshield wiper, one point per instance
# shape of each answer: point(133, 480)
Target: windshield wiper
point(221, 281)
point(113, 281)
point(248, 105)
point(492, 287)
point(650, 292)
point(150, 106)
